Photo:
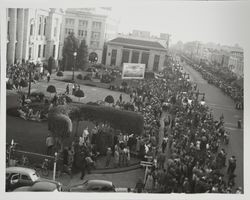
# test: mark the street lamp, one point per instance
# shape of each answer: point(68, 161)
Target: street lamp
point(73, 75)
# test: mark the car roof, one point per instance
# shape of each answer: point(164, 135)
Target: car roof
point(99, 182)
point(22, 170)
point(38, 186)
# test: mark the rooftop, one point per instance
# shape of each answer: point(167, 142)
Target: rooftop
point(135, 42)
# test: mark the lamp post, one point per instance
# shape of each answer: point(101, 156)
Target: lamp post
point(54, 168)
point(73, 75)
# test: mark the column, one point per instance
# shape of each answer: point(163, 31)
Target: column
point(26, 33)
point(151, 61)
point(20, 30)
point(119, 57)
point(130, 56)
point(12, 36)
point(140, 55)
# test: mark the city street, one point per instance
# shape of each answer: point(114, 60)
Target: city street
point(222, 104)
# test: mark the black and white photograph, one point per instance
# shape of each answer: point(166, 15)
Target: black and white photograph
point(137, 98)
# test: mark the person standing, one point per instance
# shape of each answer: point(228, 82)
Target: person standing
point(108, 158)
point(231, 165)
point(48, 77)
point(49, 144)
point(116, 156)
point(67, 89)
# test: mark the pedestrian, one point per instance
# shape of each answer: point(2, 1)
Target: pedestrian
point(139, 186)
point(49, 144)
point(48, 77)
point(231, 165)
point(67, 89)
point(83, 168)
point(116, 157)
point(108, 156)
point(149, 183)
point(120, 98)
point(73, 89)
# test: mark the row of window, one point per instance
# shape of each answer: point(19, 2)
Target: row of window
point(135, 58)
point(83, 23)
point(44, 48)
point(83, 33)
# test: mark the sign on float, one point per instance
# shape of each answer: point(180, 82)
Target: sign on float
point(133, 71)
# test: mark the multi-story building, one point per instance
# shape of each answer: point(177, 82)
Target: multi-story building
point(87, 26)
point(126, 50)
point(32, 34)
point(236, 62)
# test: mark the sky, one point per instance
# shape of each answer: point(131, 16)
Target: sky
point(223, 22)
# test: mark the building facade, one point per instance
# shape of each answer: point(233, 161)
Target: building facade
point(32, 34)
point(125, 50)
point(236, 63)
point(86, 26)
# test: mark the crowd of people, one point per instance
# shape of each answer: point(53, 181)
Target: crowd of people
point(223, 79)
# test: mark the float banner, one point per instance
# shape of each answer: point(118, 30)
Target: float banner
point(133, 71)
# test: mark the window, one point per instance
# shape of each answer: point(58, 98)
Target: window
point(82, 33)
point(69, 21)
point(40, 26)
point(94, 44)
point(68, 31)
point(39, 51)
point(135, 57)
point(25, 177)
point(96, 25)
point(31, 29)
point(125, 56)
point(113, 56)
point(95, 35)
point(156, 62)
point(44, 30)
point(144, 58)
point(30, 50)
point(44, 47)
point(83, 23)
point(54, 50)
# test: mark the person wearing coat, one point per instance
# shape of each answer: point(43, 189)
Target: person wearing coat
point(149, 183)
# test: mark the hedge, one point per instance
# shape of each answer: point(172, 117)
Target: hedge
point(126, 121)
point(79, 76)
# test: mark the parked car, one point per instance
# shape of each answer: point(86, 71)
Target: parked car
point(20, 176)
point(93, 186)
point(41, 186)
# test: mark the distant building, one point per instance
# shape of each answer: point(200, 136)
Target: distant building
point(126, 50)
point(32, 34)
point(94, 25)
point(236, 62)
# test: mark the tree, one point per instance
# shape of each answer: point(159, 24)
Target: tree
point(82, 56)
point(51, 64)
point(79, 93)
point(51, 89)
point(109, 99)
point(61, 127)
point(69, 47)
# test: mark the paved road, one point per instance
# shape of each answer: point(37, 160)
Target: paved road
point(221, 103)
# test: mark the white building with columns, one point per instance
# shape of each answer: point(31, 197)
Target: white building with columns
point(126, 50)
point(32, 34)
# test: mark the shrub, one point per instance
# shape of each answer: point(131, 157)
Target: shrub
point(36, 77)
point(40, 95)
point(107, 78)
point(79, 76)
point(51, 89)
point(126, 121)
point(23, 83)
point(59, 73)
point(79, 94)
point(124, 84)
point(87, 77)
point(109, 99)
point(98, 66)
